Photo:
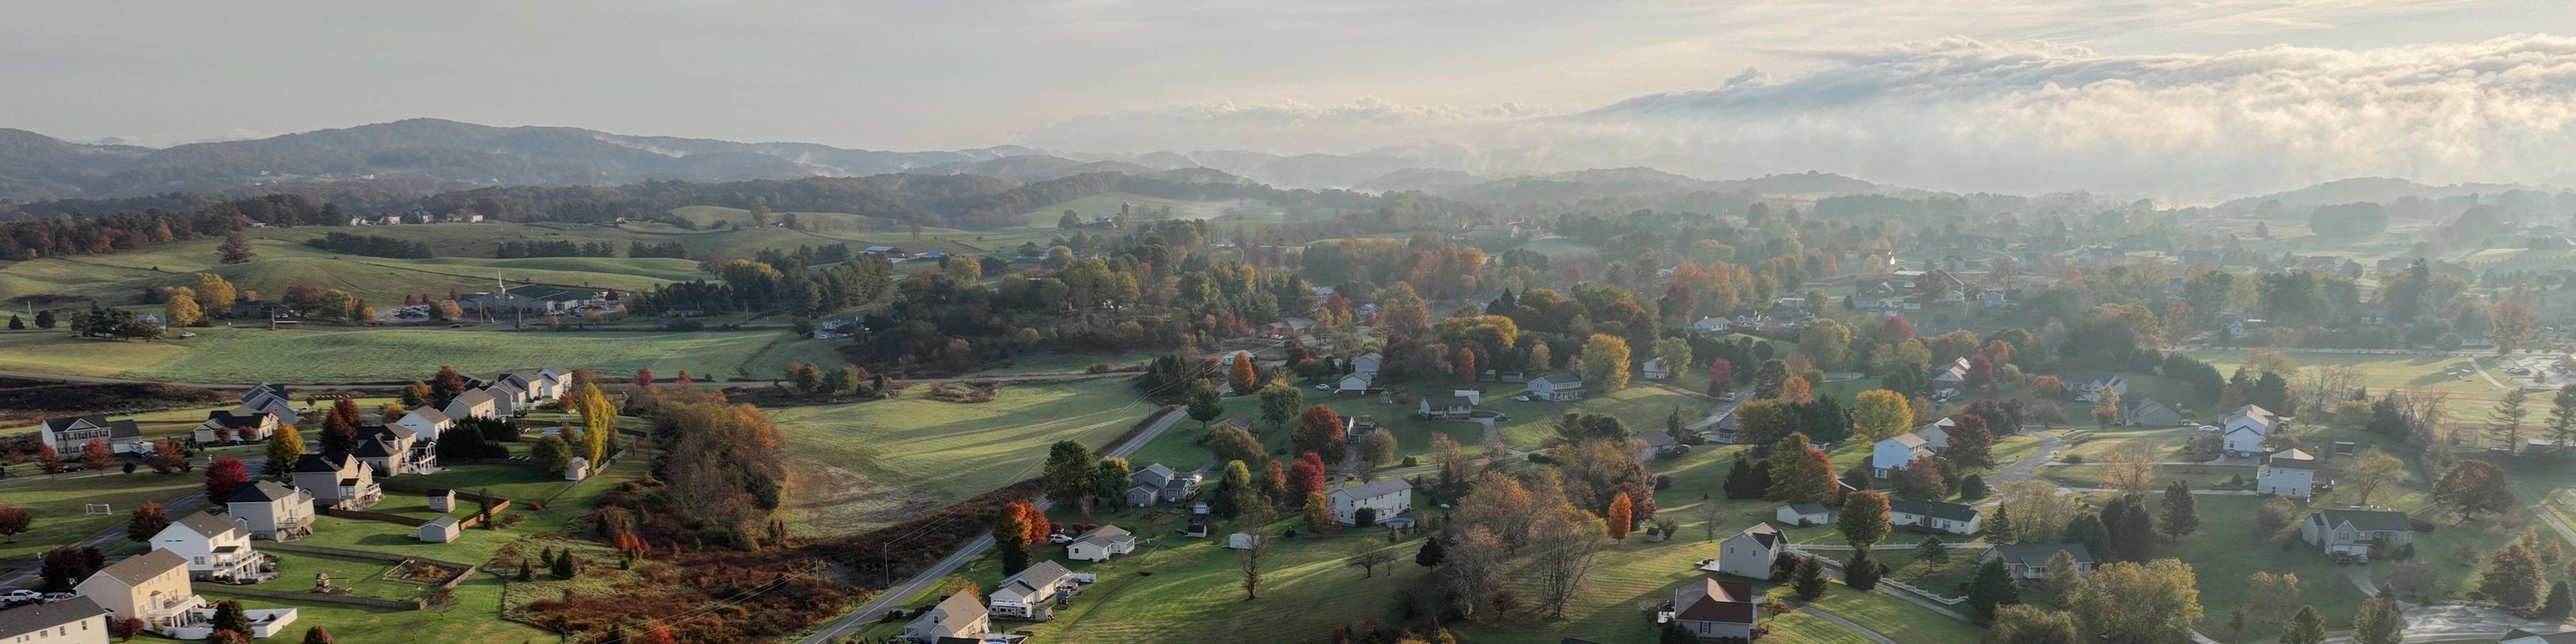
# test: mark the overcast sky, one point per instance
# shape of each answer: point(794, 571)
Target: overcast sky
point(1320, 75)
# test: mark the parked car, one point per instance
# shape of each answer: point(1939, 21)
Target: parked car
point(187, 334)
point(1323, 386)
point(22, 596)
point(1059, 538)
point(1520, 399)
point(58, 597)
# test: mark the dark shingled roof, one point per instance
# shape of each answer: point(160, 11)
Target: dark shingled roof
point(26, 620)
point(261, 492)
point(2036, 555)
point(1710, 600)
point(2365, 520)
point(1934, 509)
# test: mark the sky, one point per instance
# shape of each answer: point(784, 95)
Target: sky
point(2112, 95)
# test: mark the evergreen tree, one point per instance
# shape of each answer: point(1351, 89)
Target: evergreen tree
point(1431, 553)
point(1999, 529)
point(1863, 571)
point(2182, 512)
point(1992, 588)
point(1809, 580)
point(2556, 607)
point(2378, 622)
point(2305, 627)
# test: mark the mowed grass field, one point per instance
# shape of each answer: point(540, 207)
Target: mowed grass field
point(245, 355)
point(2380, 372)
point(864, 464)
point(56, 505)
point(127, 278)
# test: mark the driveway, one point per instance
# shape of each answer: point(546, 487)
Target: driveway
point(2022, 470)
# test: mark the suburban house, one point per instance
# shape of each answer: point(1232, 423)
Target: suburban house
point(1386, 498)
point(70, 436)
point(272, 399)
point(270, 510)
point(538, 385)
point(1713, 609)
point(2028, 560)
point(1936, 435)
point(956, 618)
point(1654, 444)
point(395, 450)
point(77, 621)
point(1355, 383)
point(1357, 425)
point(153, 587)
point(1954, 374)
point(2091, 383)
point(2356, 531)
point(2146, 412)
point(1033, 594)
point(338, 482)
point(1100, 544)
point(2290, 472)
point(2246, 428)
point(240, 424)
point(1751, 553)
point(425, 422)
point(1804, 514)
point(507, 399)
point(1934, 516)
point(1446, 408)
point(1654, 370)
point(1894, 453)
point(1157, 482)
point(1561, 385)
point(1370, 363)
point(471, 403)
point(217, 549)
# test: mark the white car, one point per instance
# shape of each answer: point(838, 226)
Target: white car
point(22, 596)
point(1323, 386)
point(59, 597)
point(187, 334)
point(1520, 399)
point(1059, 538)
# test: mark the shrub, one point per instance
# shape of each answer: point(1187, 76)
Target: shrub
point(2073, 459)
point(1412, 461)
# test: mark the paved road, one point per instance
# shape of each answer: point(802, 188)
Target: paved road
point(2049, 445)
point(96, 380)
point(104, 539)
point(892, 598)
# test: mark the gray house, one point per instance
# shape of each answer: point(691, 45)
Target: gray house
point(2149, 413)
point(1158, 483)
point(1557, 386)
point(2028, 560)
point(272, 511)
point(2356, 531)
point(1713, 609)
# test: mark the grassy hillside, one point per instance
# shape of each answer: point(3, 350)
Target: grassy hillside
point(864, 464)
point(127, 278)
point(245, 355)
point(1106, 205)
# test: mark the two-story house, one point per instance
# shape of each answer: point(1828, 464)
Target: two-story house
point(71, 436)
point(1557, 386)
point(217, 550)
point(338, 481)
point(269, 510)
point(1895, 453)
point(2027, 561)
point(395, 450)
point(2245, 429)
point(2290, 472)
point(424, 422)
point(1446, 408)
point(1712, 609)
point(79, 620)
point(2356, 531)
point(956, 618)
point(471, 403)
point(1752, 553)
point(1384, 498)
point(236, 425)
point(152, 587)
point(1034, 593)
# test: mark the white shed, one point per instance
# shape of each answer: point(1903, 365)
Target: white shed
point(441, 530)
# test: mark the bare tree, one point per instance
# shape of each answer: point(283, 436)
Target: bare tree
point(1471, 569)
point(1709, 517)
point(2131, 469)
point(1369, 553)
point(2374, 470)
point(1566, 544)
point(1256, 520)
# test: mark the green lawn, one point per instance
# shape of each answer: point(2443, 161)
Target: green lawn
point(363, 577)
point(863, 464)
point(1642, 407)
point(241, 355)
point(2198, 476)
point(2379, 372)
point(123, 278)
point(56, 506)
point(2096, 444)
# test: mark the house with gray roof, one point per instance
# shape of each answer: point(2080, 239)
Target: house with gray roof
point(1934, 516)
point(2028, 560)
point(2356, 531)
point(1385, 498)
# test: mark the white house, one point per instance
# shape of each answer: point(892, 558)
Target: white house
point(217, 549)
point(153, 587)
point(1100, 544)
point(70, 436)
point(271, 511)
point(1654, 370)
point(1355, 383)
point(1032, 594)
point(2290, 472)
point(1804, 514)
point(2356, 531)
point(1937, 516)
point(1445, 408)
point(77, 621)
point(1370, 362)
point(2092, 383)
point(338, 482)
point(1751, 553)
point(955, 618)
point(1561, 385)
point(425, 422)
point(2246, 428)
point(471, 403)
point(1895, 452)
point(2029, 560)
point(1387, 498)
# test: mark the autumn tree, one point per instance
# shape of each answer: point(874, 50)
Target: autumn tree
point(145, 522)
point(1864, 519)
point(2373, 470)
point(1242, 378)
point(2510, 327)
point(2513, 577)
point(222, 477)
point(182, 308)
point(2139, 603)
point(2378, 622)
point(96, 455)
point(1972, 444)
point(1465, 364)
point(1795, 389)
point(1879, 414)
point(1319, 430)
point(599, 422)
point(14, 521)
point(1011, 536)
point(2130, 470)
point(1619, 519)
point(235, 249)
point(2025, 624)
point(1920, 479)
point(1605, 362)
point(2472, 487)
point(1565, 544)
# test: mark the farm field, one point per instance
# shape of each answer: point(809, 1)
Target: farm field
point(862, 464)
point(1642, 407)
point(1558, 246)
point(56, 505)
point(1106, 205)
point(244, 355)
point(2380, 372)
point(126, 277)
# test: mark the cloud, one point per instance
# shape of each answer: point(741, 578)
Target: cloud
point(1961, 114)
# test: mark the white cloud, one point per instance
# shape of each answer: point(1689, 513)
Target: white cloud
point(1964, 114)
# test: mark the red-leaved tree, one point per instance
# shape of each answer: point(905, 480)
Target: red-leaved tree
point(1307, 476)
point(223, 476)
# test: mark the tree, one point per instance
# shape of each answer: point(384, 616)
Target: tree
point(1920, 479)
point(1248, 559)
point(1068, 473)
point(2269, 598)
point(1231, 443)
point(166, 459)
point(48, 460)
point(1605, 362)
point(1319, 430)
point(2506, 429)
point(2060, 578)
point(229, 616)
point(1011, 535)
point(2510, 327)
point(45, 319)
point(96, 455)
point(2374, 470)
point(2131, 470)
point(2306, 627)
point(2021, 624)
point(235, 249)
point(2139, 603)
point(1808, 581)
point(1864, 571)
point(1319, 514)
point(1242, 378)
point(1619, 521)
point(1993, 588)
point(1204, 406)
point(1367, 554)
point(2182, 512)
point(1795, 389)
point(223, 476)
point(1110, 481)
point(1306, 477)
point(2378, 622)
point(145, 522)
point(1802, 475)
point(1376, 450)
point(1864, 519)
point(182, 308)
point(1279, 403)
point(14, 521)
point(1566, 546)
point(599, 422)
point(1972, 445)
point(1236, 495)
point(1880, 414)
point(1430, 555)
point(551, 453)
point(2558, 604)
point(2562, 418)
point(2276, 517)
point(1999, 528)
point(2472, 487)
point(2513, 578)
